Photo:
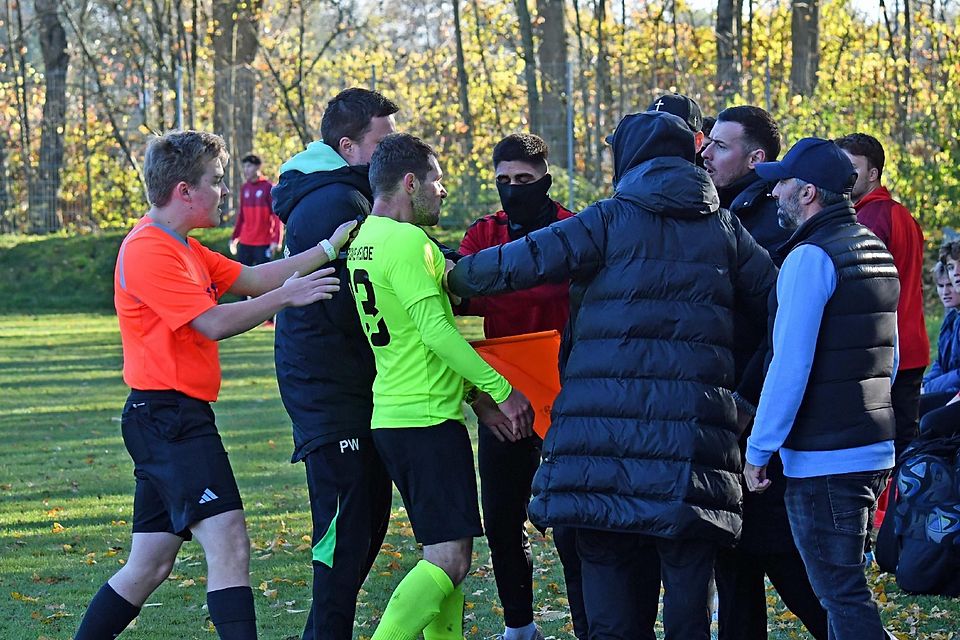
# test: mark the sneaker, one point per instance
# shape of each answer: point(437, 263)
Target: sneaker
point(538, 635)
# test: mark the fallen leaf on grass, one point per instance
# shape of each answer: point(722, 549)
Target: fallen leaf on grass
point(16, 595)
point(550, 616)
point(58, 528)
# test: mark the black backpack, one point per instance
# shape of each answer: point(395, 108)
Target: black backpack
point(919, 540)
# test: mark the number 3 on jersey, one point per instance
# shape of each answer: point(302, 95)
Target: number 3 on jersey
point(381, 337)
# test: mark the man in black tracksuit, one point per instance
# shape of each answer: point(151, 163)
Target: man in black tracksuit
point(742, 137)
point(325, 368)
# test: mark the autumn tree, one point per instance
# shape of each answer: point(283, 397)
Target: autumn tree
point(553, 75)
point(728, 78)
point(44, 215)
point(528, 54)
point(235, 42)
point(805, 41)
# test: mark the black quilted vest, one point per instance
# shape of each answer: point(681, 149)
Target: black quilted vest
point(847, 399)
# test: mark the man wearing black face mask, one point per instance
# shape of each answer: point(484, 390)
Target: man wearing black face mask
point(507, 468)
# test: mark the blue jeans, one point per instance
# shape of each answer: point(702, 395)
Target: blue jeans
point(829, 518)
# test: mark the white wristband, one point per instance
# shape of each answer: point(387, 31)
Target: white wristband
point(328, 249)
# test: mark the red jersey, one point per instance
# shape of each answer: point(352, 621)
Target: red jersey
point(256, 224)
point(541, 308)
point(893, 224)
point(161, 283)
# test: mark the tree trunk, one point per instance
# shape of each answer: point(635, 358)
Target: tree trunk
point(6, 220)
point(805, 38)
point(223, 61)
point(749, 62)
point(43, 198)
point(530, 66)
point(495, 99)
point(470, 191)
point(904, 106)
point(553, 76)
point(584, 90)
point(244, 83)
point(604, 103)
point(13, 17)
point(725, 66)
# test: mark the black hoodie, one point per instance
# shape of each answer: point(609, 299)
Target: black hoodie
point(643, 436)
point(325, 368)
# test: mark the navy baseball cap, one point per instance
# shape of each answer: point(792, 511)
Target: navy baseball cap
point(815, 160)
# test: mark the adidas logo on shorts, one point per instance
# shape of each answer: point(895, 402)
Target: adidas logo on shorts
point(208, 496)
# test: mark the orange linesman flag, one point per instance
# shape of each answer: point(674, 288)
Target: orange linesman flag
point(529, 363)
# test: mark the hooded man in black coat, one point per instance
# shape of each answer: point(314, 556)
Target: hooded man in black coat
point(325, 368)
point(642, 453)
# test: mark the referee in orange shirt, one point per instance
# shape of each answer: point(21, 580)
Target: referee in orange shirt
point(166, 290)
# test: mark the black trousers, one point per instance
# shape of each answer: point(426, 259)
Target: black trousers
point(743, 599)
point(932, 401)
point(621, 580)
point(350, 496)
point(506, 473)
point(252, 254)
point(942, 423)
point(905, 396)
point(565, 539)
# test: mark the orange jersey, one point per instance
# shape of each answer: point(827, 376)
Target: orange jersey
point(161, 283)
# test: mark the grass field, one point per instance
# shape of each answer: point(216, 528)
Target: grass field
point(65, 502)
point(66, 481)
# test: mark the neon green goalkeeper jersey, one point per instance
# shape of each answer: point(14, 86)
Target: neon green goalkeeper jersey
point(396, 275)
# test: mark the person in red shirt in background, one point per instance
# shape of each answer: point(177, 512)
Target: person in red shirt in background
point(507, 468)
point(893, 224)
point(257, 232)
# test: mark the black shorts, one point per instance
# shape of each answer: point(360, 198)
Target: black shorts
point(182, 471)
point(433, 470)
point(253, 254)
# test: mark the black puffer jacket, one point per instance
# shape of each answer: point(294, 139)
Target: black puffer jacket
point(643, 437)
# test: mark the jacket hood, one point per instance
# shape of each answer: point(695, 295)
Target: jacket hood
point(652, 134)
point(671, 186)
point(315, 167)
point(318, 156)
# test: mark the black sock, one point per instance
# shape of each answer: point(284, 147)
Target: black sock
point(107, 616)
point(232, 613)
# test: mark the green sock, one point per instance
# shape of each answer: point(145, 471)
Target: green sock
point(415, 602)
point(448, 625)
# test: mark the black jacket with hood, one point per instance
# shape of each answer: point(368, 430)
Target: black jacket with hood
point(643, 435)
point(325, 367)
